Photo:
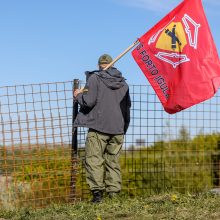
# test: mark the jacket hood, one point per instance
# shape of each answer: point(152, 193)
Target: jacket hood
point(112, 78)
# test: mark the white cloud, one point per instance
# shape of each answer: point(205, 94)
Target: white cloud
point(164, 5)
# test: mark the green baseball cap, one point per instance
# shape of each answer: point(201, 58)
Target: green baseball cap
point(105, 59)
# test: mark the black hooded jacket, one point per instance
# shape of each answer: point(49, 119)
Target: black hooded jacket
point(105, 103)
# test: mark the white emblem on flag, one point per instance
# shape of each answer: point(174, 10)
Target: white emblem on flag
point(192, 34)
point(181, 58)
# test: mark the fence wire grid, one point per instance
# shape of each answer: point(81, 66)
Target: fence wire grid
point(161, 152)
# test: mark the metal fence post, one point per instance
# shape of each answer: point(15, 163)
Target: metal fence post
point(74, 146)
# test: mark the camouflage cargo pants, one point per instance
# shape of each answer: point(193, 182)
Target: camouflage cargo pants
point(102, 161)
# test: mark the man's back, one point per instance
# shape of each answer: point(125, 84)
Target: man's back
point(105, 104)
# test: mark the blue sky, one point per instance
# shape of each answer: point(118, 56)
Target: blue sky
point(58, 40)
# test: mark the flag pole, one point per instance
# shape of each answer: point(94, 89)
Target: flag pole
point(122, 54)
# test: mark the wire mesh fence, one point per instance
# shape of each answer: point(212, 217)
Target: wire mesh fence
point(161, 152)
point(35, 144)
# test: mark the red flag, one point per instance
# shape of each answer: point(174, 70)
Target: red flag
point(179, 58)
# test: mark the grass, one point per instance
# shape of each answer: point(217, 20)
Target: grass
point(170, 206)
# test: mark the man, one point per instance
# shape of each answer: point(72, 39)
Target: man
point(105, 110)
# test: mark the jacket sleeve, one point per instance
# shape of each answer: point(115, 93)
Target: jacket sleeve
point(127, 115)
point(88, 98)
point(125, 108)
